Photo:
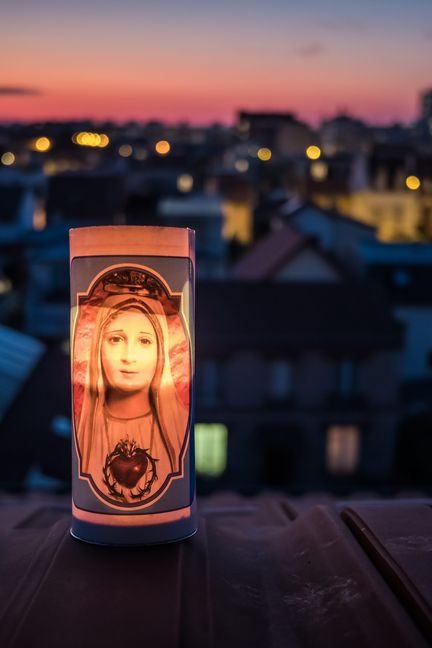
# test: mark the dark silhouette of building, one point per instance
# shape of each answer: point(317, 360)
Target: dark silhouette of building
point(305, 377)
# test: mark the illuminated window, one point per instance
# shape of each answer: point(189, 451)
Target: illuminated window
point(398, 212)
point(319, 171)
point(5, 285)
point(342, 449)
point(280, 380)
point(377, 213)
point(185, 182)
point(39, 217)
point(241, 165)
point(211, 442)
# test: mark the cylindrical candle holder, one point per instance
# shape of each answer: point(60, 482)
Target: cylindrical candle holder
point(132, 362)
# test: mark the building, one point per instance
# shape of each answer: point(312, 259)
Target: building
point(301, 380)
point(46, 308)
point(426, 104)
point(205, 215)
point(287, 254)
point(390, 189)
point(344, 134)
point(336, 233)
point(404, 271)
point(89, 198)
point(282, 133)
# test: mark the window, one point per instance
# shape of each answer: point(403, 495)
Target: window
point(398, 212)
point(211, 442)
point(280, 380)
point(342, 449)
point(208, 382)
point(427, 217)
point(346, 378)
point(401, 278)
point(377, 213)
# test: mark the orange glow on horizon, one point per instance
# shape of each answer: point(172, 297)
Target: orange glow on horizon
point(214, 103)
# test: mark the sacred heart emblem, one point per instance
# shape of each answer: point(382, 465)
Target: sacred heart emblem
point(127, 471)
point(126, 466)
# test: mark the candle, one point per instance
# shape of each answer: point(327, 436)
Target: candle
point(132, 326)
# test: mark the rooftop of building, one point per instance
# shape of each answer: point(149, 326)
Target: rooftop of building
point(265, 571)
point(267, 316)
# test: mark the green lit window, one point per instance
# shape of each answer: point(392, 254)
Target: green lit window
point(211, 441)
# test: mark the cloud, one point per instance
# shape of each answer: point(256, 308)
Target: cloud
point(310, 50)
point(18, 90)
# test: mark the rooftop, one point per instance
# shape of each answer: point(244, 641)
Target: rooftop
point(270, 571)
point(267, 316)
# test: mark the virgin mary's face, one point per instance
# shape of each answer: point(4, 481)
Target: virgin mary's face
point(129, 352)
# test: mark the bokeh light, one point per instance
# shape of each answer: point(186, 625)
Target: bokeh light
point(264, 154)
point(42, 144)
point(241, 165)
point(50, 168)
point(99, 140)
point(185, 182)
point(413, 182)
point(104, 140)
point(313, 152)
point(5, 285)
point(162, 147)
point(319, 171)
point(141, 154)
point(125, 150)
point(8, 158)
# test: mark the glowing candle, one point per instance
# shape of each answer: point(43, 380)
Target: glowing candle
point(132, 293)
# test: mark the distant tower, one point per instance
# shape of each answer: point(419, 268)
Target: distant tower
point(426, 104)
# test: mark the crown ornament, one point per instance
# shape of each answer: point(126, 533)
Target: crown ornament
point(132, 282)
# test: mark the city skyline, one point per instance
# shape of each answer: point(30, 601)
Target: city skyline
point(201, 64)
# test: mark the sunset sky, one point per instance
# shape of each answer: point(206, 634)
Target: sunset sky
point(188, 60)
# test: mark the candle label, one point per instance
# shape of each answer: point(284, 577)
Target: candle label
point(132, 378)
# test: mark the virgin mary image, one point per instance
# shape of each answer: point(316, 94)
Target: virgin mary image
point(132, 425)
